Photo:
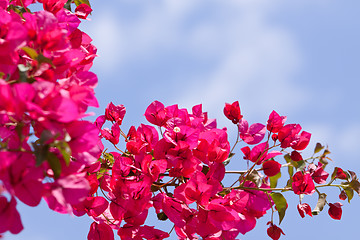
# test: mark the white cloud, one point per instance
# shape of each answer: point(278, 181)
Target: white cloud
point(253, 59)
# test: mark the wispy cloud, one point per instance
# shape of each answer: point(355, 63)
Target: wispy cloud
point(251, 59)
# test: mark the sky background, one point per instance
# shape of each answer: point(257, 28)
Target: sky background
point(300, 58)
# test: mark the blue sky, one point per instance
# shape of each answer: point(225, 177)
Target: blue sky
point(300, 58)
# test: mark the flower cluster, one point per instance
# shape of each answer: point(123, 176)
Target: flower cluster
point(178, 169)
point(45, 90)
point(176, 166)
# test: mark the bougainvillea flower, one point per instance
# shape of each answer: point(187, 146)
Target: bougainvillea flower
point(259, 153)
point(318, 174)
point(222, 217)
point(274, 231)
point(198, 189)
point(181, 116)
point(141, 232)
point(343, 195)
point(254, 134)
point(340, 174)
point(303, 141)
point(53, 5)
point(303, 209)
point(115, 113)
point(183, 133)
point(4, 4)
point(84, 141)
point(155, 113)
point(335, 210)
point(258, 202)
point(112, 135)
point(232, 112)
point(275, 122)
point(93, 206)
point(100, 121)
point(100, 231)
point(288, 135)
point(296, 156)
point(83, 10)
point(66, 191)
point(303, 183)
point(9, 216)
point(271, 168)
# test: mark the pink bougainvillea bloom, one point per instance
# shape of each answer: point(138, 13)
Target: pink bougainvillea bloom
point(53, 5)
point(258, 202)
point(100, 231)
point(343, 195)
point(4, 4)
point(303, 183)
point(271, 168)
point(303, 141)
point(83, 10)
point(288, 135)
point(335, 210)
point(183, 133)
point(275, 122)
point(232, 112)
point(93, 206)
point(198, 189)
point(93, 181)
point(9, 216)
point(254, 134)
point(274, 137)
point(274, 231)
point(318, 174)
point(259, 153)
point(222, 217)
point(112, 135)
point(100, 121)
point(141, 232)
point(66, 191)
point(304, 209)
point(340, 174)
point(84, 141)
point(296, 156)
point(115, 113)
point(155, 113)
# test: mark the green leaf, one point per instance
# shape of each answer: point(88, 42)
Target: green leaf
point(289, 183)
point(162, 216)
point(255, 178)
point(274, 180)
point(290, 167)
point(349, 193)
point(65, 150)
point(353, 175)
point(31, 52)
point(300, 165)
point(355, 185)
point(320, 204)
point(78, 2)
point(42, 59)
point(67, 5)
point(318, 148)
point(205, 169)
point(54, 163)
point(280, 203)
point(109, 157)
point(46, 136)
point(40, 152)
